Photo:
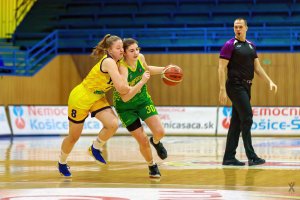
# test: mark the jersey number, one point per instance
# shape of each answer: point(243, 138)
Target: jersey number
point(73, 113)
point(150, 109)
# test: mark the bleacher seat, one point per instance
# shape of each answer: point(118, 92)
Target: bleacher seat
point(233, 9)
point(195, 7)
point(48, 15)
point(274, 8)
point(268, 19)
point(157, 8)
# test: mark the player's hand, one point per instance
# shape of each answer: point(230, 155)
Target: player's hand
point(273, 85)
point(145, 77)
point(223, 97)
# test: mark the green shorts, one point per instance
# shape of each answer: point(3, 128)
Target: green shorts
point(143, 110)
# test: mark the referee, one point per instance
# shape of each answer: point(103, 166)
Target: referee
point(238, 56)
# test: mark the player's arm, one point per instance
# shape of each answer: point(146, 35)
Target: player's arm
point(110, 66)
point(153, 69)
point(222, 80)
point(258, 69)
point(137, 87)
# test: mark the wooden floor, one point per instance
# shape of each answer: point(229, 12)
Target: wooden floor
point(192, 170)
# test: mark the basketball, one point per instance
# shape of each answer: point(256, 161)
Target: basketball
point(172, 75)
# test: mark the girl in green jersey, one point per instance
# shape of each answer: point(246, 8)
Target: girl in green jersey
point(136, 105)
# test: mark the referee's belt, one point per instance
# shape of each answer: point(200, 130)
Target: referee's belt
point(236, 80)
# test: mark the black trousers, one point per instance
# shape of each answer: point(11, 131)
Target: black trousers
point(239, 92)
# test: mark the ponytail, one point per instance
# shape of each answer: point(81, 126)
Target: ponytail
point(103, 45)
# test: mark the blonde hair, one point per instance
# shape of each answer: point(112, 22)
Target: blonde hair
point(103, 45)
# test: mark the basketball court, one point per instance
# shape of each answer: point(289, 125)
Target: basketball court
point(192, 170)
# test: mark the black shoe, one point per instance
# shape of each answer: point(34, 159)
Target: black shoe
point(256, 161)
point(154, 171)
point(160, 149)
point(233, 162)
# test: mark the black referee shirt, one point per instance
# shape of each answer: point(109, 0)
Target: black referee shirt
point(241, 56)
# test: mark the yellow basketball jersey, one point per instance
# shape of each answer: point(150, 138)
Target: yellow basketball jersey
point(97, 81)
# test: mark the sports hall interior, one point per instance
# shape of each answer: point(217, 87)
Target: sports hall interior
point(44, 53)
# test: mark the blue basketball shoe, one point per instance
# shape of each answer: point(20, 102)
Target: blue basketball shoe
point(96, 153)
point(64, 170)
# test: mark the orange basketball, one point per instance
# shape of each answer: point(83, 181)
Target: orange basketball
point(172, 75)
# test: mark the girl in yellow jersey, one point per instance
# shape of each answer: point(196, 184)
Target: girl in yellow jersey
point(89, 97)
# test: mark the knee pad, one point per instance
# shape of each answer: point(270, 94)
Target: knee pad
point(135, 125)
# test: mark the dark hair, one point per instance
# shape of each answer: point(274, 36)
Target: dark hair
point(103, 45)
point(240, 18)
point(127, 42)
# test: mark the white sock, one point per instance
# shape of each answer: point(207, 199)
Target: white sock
point(63, 157)
point(155, 141)
point(98, 143)
point(151, 163)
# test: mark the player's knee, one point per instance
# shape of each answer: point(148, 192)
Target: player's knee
point(159, 133)
point(112, 126)
point(73, 138)
point(144, 142)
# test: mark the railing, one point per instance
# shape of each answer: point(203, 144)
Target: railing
point(27, 63)
point(159, 40)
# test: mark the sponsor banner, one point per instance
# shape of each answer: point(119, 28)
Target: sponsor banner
point(54, 120)
point(266, 120)
point(39, 119)
point(46, 120)
point(4, 130)
point(190, 120)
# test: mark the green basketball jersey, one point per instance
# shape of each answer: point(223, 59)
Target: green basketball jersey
point(134, 76)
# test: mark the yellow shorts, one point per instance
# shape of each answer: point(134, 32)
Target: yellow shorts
point(82, 102)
